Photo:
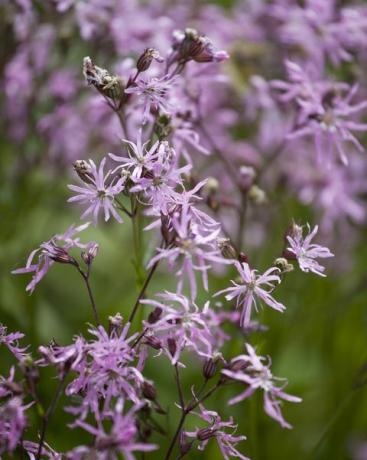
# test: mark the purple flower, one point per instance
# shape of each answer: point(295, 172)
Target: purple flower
point(306, 252)
point(154, 93)
point(99, 193)
point(12, 423)
point(54, 250)
point(11, 342)
point(181, 325)
point(140, 158)
point(329, 119)
point(47, 451)
point(159, 183)
point(105, 370)
point(194, 248)
point(121, 438)
point(250, 370)
point(251, 290)
point(217, 429)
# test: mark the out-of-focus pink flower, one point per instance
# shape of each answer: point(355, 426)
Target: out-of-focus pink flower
point(306, 252)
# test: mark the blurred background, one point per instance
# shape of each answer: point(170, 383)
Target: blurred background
point(49, 118)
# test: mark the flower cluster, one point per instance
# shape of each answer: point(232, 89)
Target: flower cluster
point(199, 199)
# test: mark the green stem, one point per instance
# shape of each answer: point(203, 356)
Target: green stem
point(138, 243)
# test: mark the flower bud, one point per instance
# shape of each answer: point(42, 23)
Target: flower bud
point(153, 342)
point(242, 258)
point(172, 346)
point(84, 171)
point(205, 433)
point(109, 85)
point(89, 255)
point(155, 315)
point(257, 195)
point(61, 256)
point(226, 248)
point(209, 368)
point(247, 176)
point(146, 59)
point(149, 390)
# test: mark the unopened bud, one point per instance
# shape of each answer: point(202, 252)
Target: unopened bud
point(172, 346)
point(109, 85)
point(209, 368)
point(153, 342)
point(61, 256)
point(89, 255)
point(146, 59)
point(226, 248)
point(242, 258)
point(154, 315)
point(211, 186)
point(149, 390)
point(257, 195)
point(205, 434)
point(84, 171)
point(247, 176)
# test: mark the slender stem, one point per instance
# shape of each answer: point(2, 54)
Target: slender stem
point(179, 388)
point(137, 237)
point(123, 123)
point(47, 416)
point(185, 412)
point(85, 277)
point(142, 291)
point(242, 219)
point(176, 435)
point(123, 208)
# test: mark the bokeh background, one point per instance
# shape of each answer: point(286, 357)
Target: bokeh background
point(49, 119)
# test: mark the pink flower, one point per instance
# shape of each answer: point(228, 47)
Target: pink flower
point(250, 370)
point(194, 248)
point(306, 252)
point(181, 323)
point(251, 290)
point(99, 193)
point(11, 342)
point(121, 437)
point(217, 430)
point(140, 158)
point(154, 93)
point(54, 250)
